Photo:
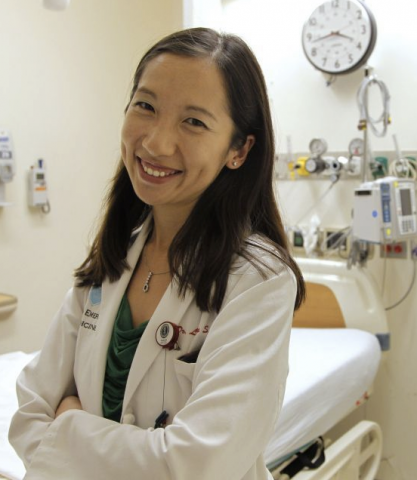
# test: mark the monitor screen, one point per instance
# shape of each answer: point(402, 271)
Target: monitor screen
point(405, 195)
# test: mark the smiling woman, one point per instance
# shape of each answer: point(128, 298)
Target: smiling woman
point(177, 133)
point(188, 290)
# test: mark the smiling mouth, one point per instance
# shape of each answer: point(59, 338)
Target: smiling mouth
point(157, 171)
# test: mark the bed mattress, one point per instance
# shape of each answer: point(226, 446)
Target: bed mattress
point(331, 371)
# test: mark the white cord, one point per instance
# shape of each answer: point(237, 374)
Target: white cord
point(403, 167)
point(362, 98)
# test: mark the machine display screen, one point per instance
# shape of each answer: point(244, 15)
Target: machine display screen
point(405, 195)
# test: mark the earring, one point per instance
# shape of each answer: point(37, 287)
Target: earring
point(234, 164)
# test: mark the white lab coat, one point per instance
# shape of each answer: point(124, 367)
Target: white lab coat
point(222, 408)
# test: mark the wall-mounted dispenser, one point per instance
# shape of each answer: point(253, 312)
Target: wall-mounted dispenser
point(7, 165)
point(38, 187)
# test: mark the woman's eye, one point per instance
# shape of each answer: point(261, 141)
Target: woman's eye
point(196, 123)
point(144, 106)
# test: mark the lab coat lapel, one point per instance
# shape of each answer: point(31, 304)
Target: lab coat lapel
point(172, 309)
point(112, 294)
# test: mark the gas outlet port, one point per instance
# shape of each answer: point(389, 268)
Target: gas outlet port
point(394, 250)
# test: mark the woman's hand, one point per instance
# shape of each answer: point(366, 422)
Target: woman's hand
point(68, 403)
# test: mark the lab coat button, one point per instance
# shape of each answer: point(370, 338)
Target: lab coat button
point(128, 419)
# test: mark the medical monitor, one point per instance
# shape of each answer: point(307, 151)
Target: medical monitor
point(385, 210)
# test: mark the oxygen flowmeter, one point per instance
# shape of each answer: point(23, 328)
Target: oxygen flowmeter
point(7, 166)
point(38, 191)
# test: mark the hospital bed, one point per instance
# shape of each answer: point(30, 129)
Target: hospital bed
point(335, 352)
point(338, 341)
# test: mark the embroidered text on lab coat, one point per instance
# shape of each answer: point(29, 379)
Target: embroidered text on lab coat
point(89, 313)
point(89, 326)
point(195, 331)
point(86, 324)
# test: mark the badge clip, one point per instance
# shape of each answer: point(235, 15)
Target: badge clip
point(167, 335)
point(161, 421)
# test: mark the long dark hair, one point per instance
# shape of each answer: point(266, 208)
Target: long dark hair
point(240, 202)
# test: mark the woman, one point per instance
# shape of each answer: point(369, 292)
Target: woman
point(169, 357)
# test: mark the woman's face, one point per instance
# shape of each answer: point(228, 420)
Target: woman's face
point(177, 132)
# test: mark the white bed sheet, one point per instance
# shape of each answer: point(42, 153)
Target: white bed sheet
point(330, 370)
point(11, 364)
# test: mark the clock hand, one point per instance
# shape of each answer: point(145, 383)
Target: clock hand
point(323, 37)
point(332, 34)
point(337, 32)
point(342, 35)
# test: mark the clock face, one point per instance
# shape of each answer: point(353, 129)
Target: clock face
point(339, 36)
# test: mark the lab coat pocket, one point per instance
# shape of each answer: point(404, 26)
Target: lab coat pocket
point(185, 373)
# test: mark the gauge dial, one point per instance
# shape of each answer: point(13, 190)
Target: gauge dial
point(356, 147)
point(318, 146)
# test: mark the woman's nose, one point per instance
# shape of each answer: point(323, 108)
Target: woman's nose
point(160, 140)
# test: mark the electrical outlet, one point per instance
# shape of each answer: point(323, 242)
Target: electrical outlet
point(297, 242)
point(394, 250)
point(337, 240)
point(298, 239)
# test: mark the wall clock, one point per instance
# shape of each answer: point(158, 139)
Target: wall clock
point(339, 36)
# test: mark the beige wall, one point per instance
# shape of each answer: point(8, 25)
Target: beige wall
point(64, 81)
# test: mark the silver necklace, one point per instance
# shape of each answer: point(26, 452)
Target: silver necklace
point(145, 287)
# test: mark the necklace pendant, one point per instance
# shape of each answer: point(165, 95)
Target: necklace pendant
point(145, 287)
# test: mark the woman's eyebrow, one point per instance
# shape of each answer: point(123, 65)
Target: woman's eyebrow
point(194, 108)
point(146, 91)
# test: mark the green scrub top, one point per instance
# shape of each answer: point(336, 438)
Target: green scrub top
point(122, 348)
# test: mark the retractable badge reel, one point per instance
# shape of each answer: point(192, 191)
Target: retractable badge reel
point(167, 335)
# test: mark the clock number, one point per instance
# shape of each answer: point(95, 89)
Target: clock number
point(335, 3)
point(363, 29)
point(313, 21)
point(348, 5)
point(324, 61)
point(336, 64)
point(350, 58)
point(359, 46)
point(321, 9)
point(309, 37)
point(313, 52)
point(359, 12)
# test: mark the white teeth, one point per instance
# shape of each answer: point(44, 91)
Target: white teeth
point(156, 173)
